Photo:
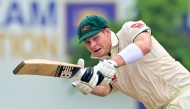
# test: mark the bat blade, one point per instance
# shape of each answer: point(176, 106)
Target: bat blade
point(44, 67)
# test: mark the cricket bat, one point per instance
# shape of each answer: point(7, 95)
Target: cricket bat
point(44, 67)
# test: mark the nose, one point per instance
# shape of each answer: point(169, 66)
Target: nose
point(93, 44)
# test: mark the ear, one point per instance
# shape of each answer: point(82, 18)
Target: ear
point(107, 31)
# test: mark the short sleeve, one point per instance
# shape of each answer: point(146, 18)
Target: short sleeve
point(130, 30)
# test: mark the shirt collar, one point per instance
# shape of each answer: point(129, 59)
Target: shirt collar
point(114, 39)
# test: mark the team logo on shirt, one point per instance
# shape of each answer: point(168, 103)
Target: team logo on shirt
point(114, 78)
point(137, 25)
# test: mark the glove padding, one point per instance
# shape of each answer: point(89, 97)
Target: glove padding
point(86, 79)
point(105, 70)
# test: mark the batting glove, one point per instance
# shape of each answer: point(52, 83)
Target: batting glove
point(86, 79)
point(105, 70)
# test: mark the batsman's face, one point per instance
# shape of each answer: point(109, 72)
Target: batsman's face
point(99, 44)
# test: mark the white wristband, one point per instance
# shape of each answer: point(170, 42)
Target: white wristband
point(131, 53)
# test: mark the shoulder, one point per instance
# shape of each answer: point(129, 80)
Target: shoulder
point(131, 29)
point(133, 24)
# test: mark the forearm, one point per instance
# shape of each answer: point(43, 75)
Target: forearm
point(101, 90)
point(119, 60)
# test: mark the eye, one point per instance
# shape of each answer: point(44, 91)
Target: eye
point(87, 42)
point(96, 38)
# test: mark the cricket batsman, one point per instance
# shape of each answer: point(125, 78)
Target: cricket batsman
point(133, 62)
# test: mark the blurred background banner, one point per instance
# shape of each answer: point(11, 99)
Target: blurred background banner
point(30, 29)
